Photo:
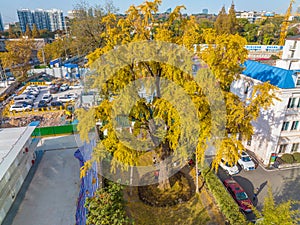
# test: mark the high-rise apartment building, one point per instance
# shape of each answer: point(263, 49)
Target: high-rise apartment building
point(51, 20)
point(40, 19)
point(1, 24)
point(56, 20)
point(25, 17)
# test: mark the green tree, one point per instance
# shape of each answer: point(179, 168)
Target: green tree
point(35, 32)
point(106, 207)
point(18, 56)
point(221, 25)
point(232, 20)
point(28, 32)
point(87, 27)
point(59, 48)
point(281, 213)
point(11, 33)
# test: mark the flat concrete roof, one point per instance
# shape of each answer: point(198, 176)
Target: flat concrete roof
point(12, 141)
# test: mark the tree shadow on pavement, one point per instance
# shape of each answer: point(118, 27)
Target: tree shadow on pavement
point(290, 191)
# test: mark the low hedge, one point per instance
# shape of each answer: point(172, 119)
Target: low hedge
point(224, 200)
point(287, 158)
point(296, 156)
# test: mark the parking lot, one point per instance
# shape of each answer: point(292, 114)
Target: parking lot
point(40, 91)
point(285, 184)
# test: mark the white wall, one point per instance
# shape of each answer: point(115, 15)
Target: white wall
point(267, 128)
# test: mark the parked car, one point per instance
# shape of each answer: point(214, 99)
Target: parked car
point(239, 195)
point(25, 102)
point(31, 97)
point(54, 88)
point(57, 104)
point(22, 98)
point(47, 97)
point(64, 87)
point(230, 169)
point(65, 99)
point(34, 86)
point(20, 108)
point(246, 162)
point(31, 92)
point(11, 78)
point(33, 89)
point(42, 104)
point(76, 86)
point(72, 95)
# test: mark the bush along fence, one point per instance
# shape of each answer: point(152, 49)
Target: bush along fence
point(223, 199)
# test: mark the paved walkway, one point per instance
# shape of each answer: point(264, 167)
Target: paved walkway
point(52, 193)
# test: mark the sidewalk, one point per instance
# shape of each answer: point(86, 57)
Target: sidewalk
point(271, 168)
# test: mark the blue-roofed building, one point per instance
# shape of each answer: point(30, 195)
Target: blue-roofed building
point(277, 130)
point(278, 77)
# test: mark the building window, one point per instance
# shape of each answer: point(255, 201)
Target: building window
point(246, 87)
point(285, 126)
point(298, 106)
point(295, 125)
point(291, 103)
point(295, 147)
point(298, 80)
point(282, 148)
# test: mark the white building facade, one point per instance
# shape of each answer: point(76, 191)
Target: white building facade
point(277, 130)
point(291, 54)
point(17, 155)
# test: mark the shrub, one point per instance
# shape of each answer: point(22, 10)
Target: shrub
point(224, 200)
point(287, 158)
point(296, 156)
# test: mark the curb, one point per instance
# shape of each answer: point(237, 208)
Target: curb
point(260, 164)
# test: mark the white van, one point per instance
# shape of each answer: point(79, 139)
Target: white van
point(23, 98)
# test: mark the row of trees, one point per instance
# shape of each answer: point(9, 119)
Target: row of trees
point(87, 31)
point(266, 31)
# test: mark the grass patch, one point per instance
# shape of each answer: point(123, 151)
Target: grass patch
point(187, 213)
point(182, 189)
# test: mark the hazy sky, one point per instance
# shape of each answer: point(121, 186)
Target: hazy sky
point(9, 8)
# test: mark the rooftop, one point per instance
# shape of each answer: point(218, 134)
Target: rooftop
point(12, 141)
point(278, 77)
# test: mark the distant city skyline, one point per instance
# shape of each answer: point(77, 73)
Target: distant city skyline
point(9, 8)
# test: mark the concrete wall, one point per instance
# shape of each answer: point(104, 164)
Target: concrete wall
point(14, 177)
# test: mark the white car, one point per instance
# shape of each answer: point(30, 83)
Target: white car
point(31, 96)
point(65, 99)
point(230, 169)
point(72, 95)
point(64, 87)
point(20, 108)
point(47, 97)
point(35, 89)
point(246, 162)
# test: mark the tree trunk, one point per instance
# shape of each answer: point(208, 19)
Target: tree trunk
point(163, 178)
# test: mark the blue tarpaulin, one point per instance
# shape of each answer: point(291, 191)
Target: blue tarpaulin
point(70, 65)
point(89, 183)
point(277, 76)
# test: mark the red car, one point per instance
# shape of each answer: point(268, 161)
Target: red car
point(239, 195)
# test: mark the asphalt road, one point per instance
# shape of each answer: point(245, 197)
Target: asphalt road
point(285, 184)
